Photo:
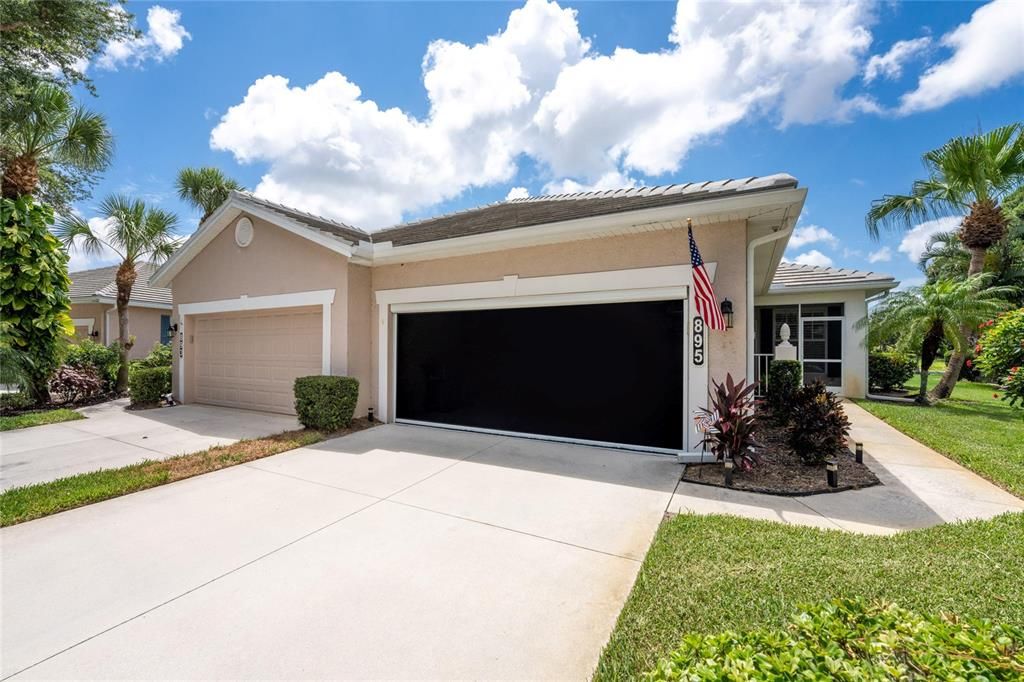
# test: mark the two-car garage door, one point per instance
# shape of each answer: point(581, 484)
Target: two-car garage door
point(609, 373)
point(251, 359)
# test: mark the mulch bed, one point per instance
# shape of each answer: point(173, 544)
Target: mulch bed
point(780, 472)
point(55, 405)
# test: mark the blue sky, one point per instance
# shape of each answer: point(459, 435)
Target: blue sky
point(377, 113)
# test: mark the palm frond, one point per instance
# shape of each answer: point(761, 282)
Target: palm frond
point(74, 232)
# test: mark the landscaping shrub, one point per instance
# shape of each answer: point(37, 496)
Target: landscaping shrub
point(74, 384)
point(1000, 353)
point(784, 379)
point(731, 420)
point(889, 370)
point(817, 424)
point(102, 359)
point(15, 401)
point(159, 356)
point(851, 640)
point(148, 385)
point(326, 403)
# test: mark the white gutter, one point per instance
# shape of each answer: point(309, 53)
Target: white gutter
point(774, 236)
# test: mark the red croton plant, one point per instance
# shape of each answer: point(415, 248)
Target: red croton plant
point(732, 422)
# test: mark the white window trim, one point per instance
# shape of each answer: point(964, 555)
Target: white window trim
point(638, 284)
point(84, 322)
point(301, 299)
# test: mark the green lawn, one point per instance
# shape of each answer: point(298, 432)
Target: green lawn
point(27, 419)
point(706, 574)
point(981, 432)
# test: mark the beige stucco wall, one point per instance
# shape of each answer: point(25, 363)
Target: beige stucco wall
point(855, 351)
point(143, 323)
point(723, 243)
point(276, 262)
point(360, 326)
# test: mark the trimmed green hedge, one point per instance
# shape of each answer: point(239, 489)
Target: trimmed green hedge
point(784, 380)
point(87, 354)
point(889, 370)
point(149, 384)
point(851, 640)
point(326, 403)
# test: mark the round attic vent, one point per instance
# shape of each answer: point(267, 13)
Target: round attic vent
point(243, 232)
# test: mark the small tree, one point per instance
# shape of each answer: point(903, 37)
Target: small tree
point(136, 234)
point(34, 300)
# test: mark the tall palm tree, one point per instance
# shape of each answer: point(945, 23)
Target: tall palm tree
point(43, 130)
point(922, 317)
point(136, 233)
point(967, 176)
point(205, 188)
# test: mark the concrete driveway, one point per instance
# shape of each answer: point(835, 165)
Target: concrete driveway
point(396, 552)
point(111, 436)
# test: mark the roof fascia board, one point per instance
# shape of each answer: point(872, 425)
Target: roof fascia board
point(222, 217)
point(880, 285)
point(568, 230)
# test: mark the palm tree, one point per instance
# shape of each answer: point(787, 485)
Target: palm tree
point(136, 234)
point(44, 130)
point(922, 317)
point(205, 188)
point(967, 177)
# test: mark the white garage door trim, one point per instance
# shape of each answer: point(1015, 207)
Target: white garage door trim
point(301, 299)
point(637, 284)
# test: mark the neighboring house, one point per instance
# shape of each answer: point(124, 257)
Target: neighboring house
point(94, 308)
point(567, 317)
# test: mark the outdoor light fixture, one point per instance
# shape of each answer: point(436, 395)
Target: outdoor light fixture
point(95, 333)
point(726, 308)
point(832, 473)
point(859, 452)
point(727, 463)
point(172, 329)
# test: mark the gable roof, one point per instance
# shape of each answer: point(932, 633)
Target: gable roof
point(339, 229)
point(529, 211)
point(792, 277)
point(99, 284)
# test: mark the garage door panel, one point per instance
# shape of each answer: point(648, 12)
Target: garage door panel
point(610, 372)
point(251, 360)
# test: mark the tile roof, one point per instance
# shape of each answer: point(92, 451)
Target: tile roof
point(334, 227)
point(100, 283)
point(794, 277)
point(530, 211)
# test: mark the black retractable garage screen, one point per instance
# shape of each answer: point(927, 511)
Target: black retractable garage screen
point(609, 372)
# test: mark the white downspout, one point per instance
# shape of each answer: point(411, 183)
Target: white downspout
point(780, 234)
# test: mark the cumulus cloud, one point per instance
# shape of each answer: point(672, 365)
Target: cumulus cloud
point(812, 257)
point(882, 255)
point(537, 88)
point(517, 193)
point(915, 241)
point(812, 234)
point(890, 64)
point(164, 38)
point(988, 51)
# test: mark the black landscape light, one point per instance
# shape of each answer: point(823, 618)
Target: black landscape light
point(858, 452)
point(832, 473)
point(727, 463)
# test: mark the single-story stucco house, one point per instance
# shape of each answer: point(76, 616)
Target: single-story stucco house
point(94, 308)
point(567, 317)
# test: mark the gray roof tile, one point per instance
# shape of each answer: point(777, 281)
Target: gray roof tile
point(100, 283)
point(794, 277)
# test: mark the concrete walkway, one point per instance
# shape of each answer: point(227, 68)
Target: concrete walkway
point(920, 488)
point(111, 436)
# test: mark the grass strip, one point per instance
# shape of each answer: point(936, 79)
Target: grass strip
point(29, 502)
point(27, 419)
point(711, 573)
point(973, 427)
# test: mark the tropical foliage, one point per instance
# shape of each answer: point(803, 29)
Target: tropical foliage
point(818, 426)
point(205, 188)
point(1001, 352)
point(732, 423)
point(924, 317)
point(51, 147)
point(74, 384)
point(104, 360)
point(784, 379)
point(968, 176)
point(34, 300)
point(889, 370)
point(136, 233)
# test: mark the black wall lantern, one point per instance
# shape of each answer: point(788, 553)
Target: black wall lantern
point(172, 329)
point(726, 308)
point(95, 333)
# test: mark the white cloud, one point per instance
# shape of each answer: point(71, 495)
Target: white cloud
point(988, 51)
point(164, 38)
point(80, 260)
point(610, 180)
point(812, 234)
point(883, 255)
point(517, 193)
point(914, 241)
point(812, 257)
point(537, 88)
point(890, 64)
point(910, 282)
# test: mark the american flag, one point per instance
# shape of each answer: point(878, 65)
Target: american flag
point(704, 293)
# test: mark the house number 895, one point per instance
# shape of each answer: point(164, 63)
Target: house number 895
point(698, 341)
